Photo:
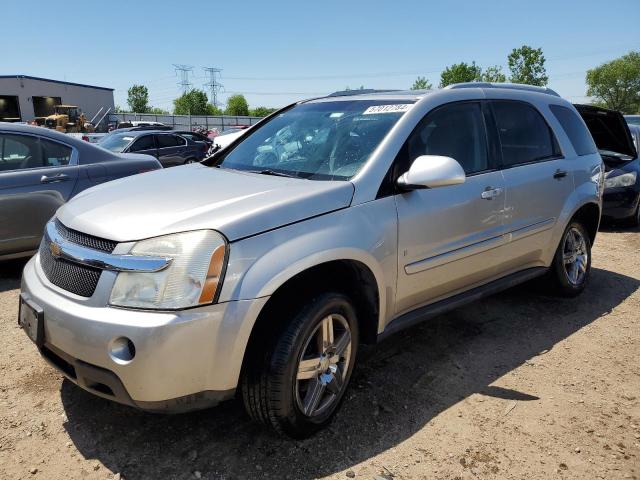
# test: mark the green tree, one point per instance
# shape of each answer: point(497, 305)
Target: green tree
point(493, 74)
point(138, 99)
point(421, 83)
point(527, 66)
point(261, 111)
point(158, 111)
point(460, 73)
point(616, 84)
point(213, 110)
point(237, 105)
point(194, 102)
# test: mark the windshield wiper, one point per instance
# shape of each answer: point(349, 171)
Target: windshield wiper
point(275, 173)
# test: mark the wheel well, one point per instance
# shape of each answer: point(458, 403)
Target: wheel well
point(589, 216)
point(349, 277)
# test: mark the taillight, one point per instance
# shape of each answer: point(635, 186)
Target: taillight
point(85, 138)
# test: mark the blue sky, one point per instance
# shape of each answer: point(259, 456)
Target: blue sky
point(279, 51)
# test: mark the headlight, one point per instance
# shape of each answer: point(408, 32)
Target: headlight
point(624, 180)
point(192, 278)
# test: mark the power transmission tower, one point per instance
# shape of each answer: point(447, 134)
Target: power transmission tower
point(213, 84)
point(184, 76)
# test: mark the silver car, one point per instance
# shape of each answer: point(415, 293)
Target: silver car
point(337, 221)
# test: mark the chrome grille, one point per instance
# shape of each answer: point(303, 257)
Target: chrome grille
point(79, 279)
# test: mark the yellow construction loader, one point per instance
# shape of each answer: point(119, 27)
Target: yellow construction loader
point(68, 119)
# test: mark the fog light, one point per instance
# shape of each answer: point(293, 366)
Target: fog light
point(122, 350)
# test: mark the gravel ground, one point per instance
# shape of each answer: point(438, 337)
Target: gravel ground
point(519, 385)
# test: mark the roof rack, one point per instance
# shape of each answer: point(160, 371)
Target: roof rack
point(509, 86)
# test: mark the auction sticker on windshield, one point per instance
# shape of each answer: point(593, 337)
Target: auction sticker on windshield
point(401, 107)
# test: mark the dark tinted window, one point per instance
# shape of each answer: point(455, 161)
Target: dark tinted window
point(167, 141)
point(524, 134)
point(574, 128)
point(144, 142)
point(456, 131)
point(180, 140)
point(18, 152)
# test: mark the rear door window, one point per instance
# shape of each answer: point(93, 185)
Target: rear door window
point(575, 129)
point(524, 134)
point(145, 142)
point(165, 141)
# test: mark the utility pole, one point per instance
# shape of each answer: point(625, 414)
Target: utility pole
point(184, 76)
point(213, 84)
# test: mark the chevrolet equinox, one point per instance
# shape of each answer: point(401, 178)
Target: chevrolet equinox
point(333, 222)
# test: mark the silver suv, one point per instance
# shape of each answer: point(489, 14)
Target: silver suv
point(333, 222)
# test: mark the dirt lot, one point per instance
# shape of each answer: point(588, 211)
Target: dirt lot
point(517, 386)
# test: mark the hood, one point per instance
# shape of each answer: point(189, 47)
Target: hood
point(608, 129)
point(237, 204)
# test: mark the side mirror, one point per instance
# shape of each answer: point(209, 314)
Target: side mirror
point(431, 171)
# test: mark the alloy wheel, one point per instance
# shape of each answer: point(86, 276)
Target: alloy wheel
point(324, 362)
point(575, 256)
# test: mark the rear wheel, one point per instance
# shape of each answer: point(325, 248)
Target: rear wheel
point(571, 266)
point(296, 383)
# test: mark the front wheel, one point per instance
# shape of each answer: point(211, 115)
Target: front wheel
point(571, 267)
point(296, 382)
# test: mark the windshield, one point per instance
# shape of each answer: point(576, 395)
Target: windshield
point(115, 143)
point(319, 141)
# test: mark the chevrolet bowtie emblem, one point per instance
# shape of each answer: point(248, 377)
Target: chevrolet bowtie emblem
point(54, 248)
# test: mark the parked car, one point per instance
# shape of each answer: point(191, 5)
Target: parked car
point(41, 169)
point(169, 148)
point(227, 138)
point(143, 123)
point(195, 136)
point(339, 220)
point(617, 143)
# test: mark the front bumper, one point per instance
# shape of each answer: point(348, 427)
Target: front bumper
point(183, 360)
point(620, 203)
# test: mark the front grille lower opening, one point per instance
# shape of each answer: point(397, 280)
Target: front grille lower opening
point(60, 363)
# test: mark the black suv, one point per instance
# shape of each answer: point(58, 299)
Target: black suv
point(169, 148)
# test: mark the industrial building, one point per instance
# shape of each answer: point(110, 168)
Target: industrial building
point(24, 98)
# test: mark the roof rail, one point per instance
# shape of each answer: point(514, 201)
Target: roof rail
point(360, 91)
point(509, 86)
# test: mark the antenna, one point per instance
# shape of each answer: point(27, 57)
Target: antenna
point(184, 76)
point(214, 86)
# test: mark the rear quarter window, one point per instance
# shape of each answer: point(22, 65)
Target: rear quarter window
point(575, 129)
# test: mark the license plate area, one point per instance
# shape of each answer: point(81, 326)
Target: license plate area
point(31, 319)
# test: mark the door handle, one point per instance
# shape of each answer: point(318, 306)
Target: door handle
point(489, 193)
point(560, 174)
point(56, 178)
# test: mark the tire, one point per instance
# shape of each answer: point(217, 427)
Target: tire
point(634, 220)
point(571, 268)
point(288, 384)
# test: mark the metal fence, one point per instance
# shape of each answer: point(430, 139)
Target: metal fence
point(186, 122)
